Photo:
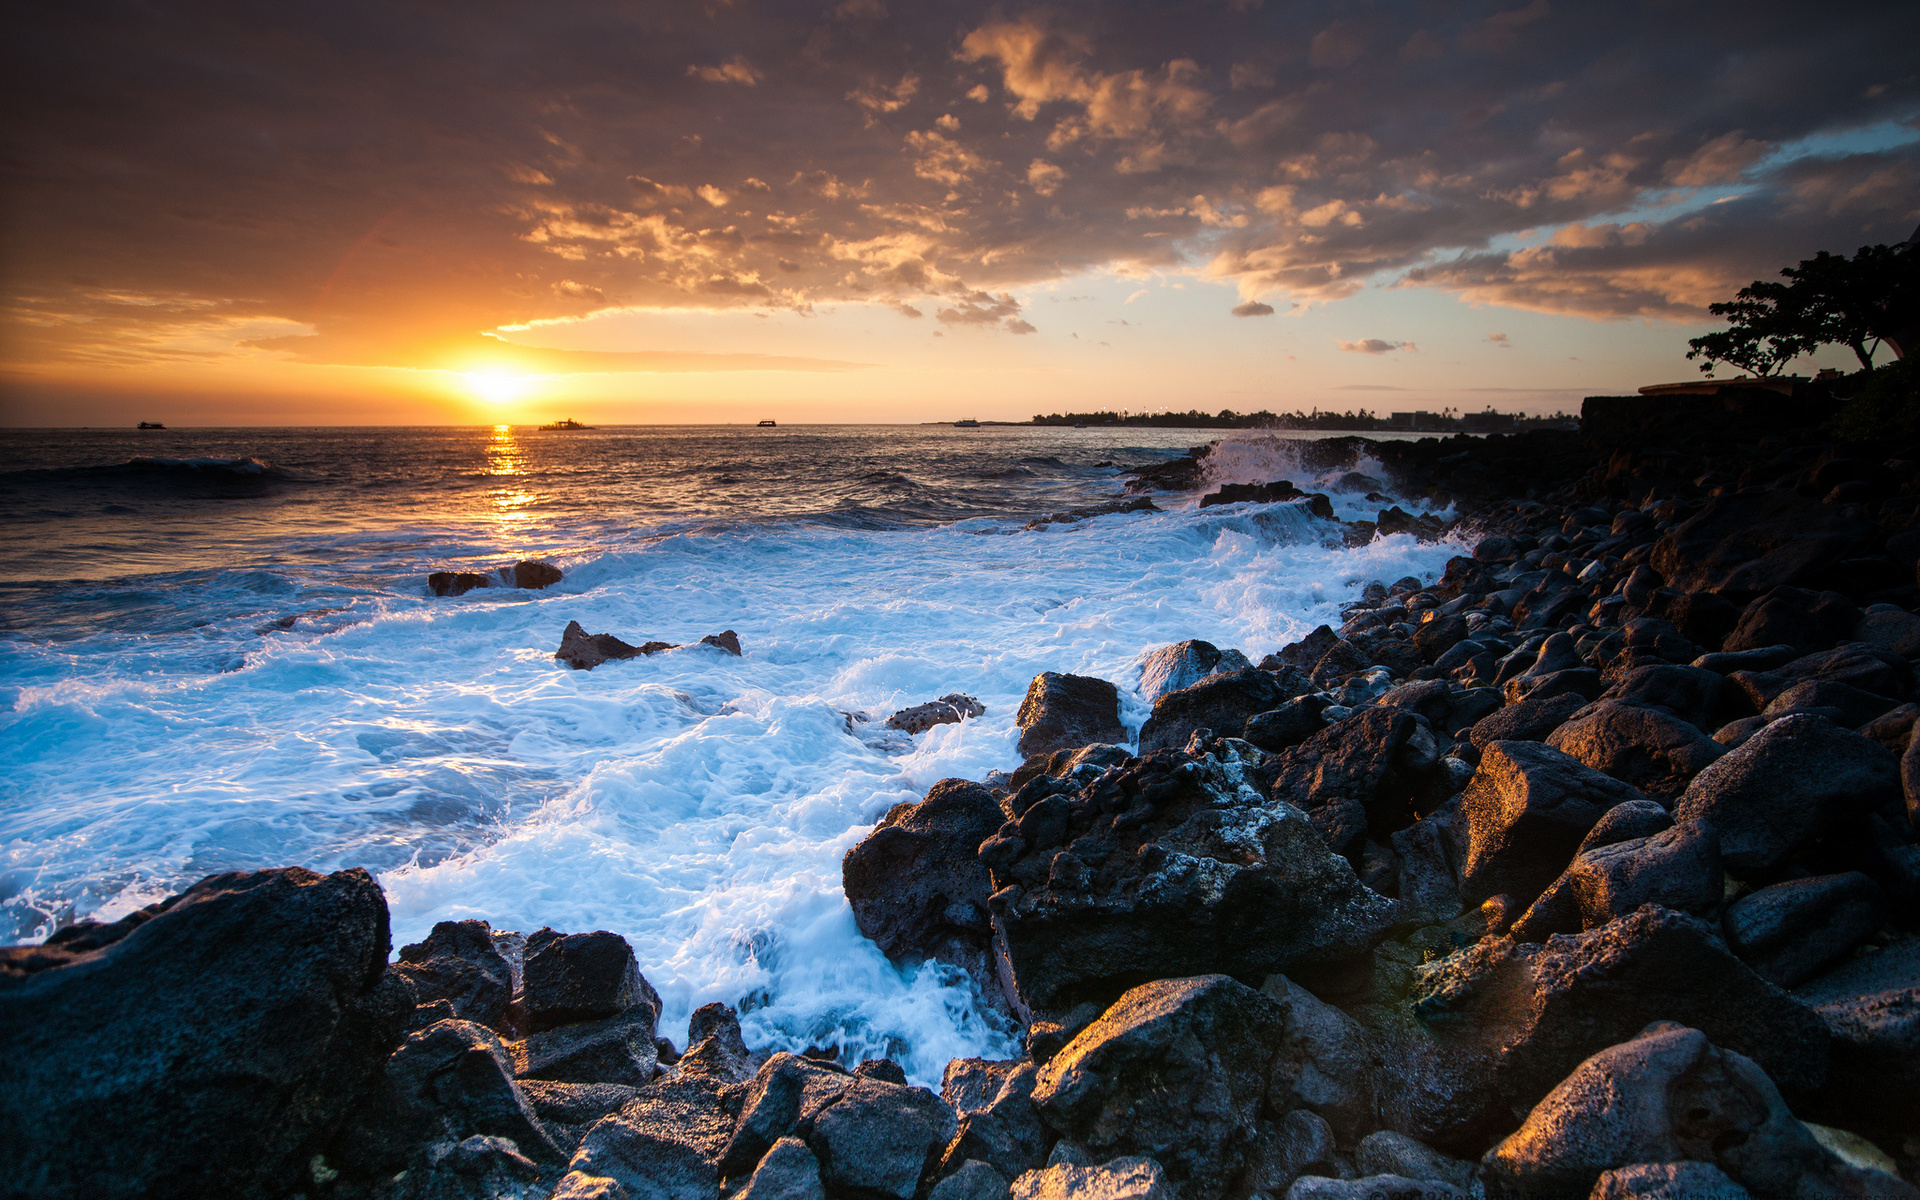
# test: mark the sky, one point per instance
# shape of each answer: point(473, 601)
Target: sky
point(864, 210)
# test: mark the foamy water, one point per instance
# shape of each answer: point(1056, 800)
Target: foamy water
point(160, 727)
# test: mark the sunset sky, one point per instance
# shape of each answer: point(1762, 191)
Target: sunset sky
point(865, 210)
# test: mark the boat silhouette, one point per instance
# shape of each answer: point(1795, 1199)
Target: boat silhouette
point(566, 423)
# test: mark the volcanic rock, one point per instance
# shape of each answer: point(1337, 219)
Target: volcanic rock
point(1170, 668)
point(998, 1123)
point(950, 709)
point(1221, 703)
point(1654, 751)
point(581, 977)
point(1791, 931)
point(1134, 1177)
point(1788, 616)
point(1358, 775)
point(456, 583)
point(1745, 544)
point(1529, 720)
point(457, 963)
point(915, 883)
point(533, 574)
point(1678, 869)
point(1065, 712)
point(1526, 811)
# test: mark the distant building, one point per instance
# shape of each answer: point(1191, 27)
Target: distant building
point(1486, 422)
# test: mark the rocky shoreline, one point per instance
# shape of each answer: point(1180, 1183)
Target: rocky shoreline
point(1589, 869)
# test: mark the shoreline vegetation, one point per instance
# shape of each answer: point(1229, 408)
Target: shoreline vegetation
point(1587, 868)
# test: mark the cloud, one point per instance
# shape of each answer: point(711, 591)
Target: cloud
point(1376, 346)
point(1253, 308)
point(1500, 341)
point(388, 186)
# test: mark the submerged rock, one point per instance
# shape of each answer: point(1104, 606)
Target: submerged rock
point(950, 709)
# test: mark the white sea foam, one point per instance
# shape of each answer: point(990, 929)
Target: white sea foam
point(696, 803)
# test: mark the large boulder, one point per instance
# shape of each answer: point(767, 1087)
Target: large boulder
point(1174, 866)
point(1745, 544)
point(1786, 786)
point(1668, 1096)
point(1856, 664)
point(1529, 720)
point(1876, 1060)
point(1678, 868)
point(208, 1045)
point(458, 963)
point(448, 1082)
point(1358, 775)
point(1792, 931)
point(1065, 712)
point(782, 1100)
point(1526, 1014)
point(916, 884)
point(581, 977)
point(619, 1049)
point(1656, 752)
point(584, 651)
point(1694, 694)
point(1177, 1070)
point(1183, 664)
point(1788, 616)
point(1221, 703)
point(998, 1123)
point(1526, 811)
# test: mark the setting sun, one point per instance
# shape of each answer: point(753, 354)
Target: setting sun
point(497, 387)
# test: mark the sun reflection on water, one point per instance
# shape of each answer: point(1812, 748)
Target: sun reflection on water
point(506, 463)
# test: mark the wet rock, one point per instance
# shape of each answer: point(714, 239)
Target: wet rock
point(788, 1172)
point(1178, 1067)
point(452, 1081)
point(916, 884)
point(1082, 764)
point(457, 963)
point(1745, 544)
point(1170, 668)
point(142, 1060)
point(1065, 712)
point(1654, 751)
point(1390, 1153)
point(1538, 1010)
point(998, 1123)
point(1529, 720)
point(1358, 775)
point(1221, 703)
point(1526, 811)
point(1133, 1177)
point(950, 709)
point(1785, 786)
point(533, 574)
point(618, 1049)
point(1669, 1095)
point(1342, 660)
point(726, 640)
point(581, 977)
point(1288, 725)
point(1172, 867)
point(1792, 931)
point(584, 651)
point(456, 583)
point(1677, 869)
point(1303, 654)
point(1788, 616)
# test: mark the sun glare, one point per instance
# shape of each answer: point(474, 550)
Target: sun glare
point(496, 387)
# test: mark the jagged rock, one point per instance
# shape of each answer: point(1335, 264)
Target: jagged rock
point(972, 1181)
point(1082, 764)
point(950, 709)
point(1301, 1143)
point(1323, 1062)
point(1521, 1016)
point(1668, 1181)
point(1390, 1153)
point(1303, 654)
point(1359, 775)
point(879, 1138)
point(1790, 616)
point(1678, 869)
point(788, 1172)
point(534, 574)
point(1791, 931)
point(584, 651)
point(783, 1099)
point(575, 1105)
point(1745, 544)
point(1288, 725)
point(699, 1111)
point(1529, 720)
point(458, 963)
point(618, 1049)
point(1341, 660)
point(715, 1047)
point(1170, 668)
point(1785, 786)
point(1221, 703)
point(1652, 750)
point(1173, 867)
point(1669, 1095)
point(648, 1161)
point(1129, 1178)
point(729, 641)
point(1065, 712)
point(454, 1080)
point(456, 583)
point(998, 1123)
point(1177, 1068)
point(1526, 811)
point(475, 1168)
point(581, 977)
point(142, 1058)
point(915, 883)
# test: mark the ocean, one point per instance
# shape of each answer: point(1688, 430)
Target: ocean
point(218, 652)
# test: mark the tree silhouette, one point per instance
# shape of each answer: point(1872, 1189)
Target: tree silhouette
point(1830, 299)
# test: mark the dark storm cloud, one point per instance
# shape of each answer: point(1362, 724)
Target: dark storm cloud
point(398, 177)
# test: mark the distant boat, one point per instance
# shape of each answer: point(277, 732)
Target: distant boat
point(151, 425)
point(768, 425)
point(1079, 425)
point(568, 423)
point(969, 423)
